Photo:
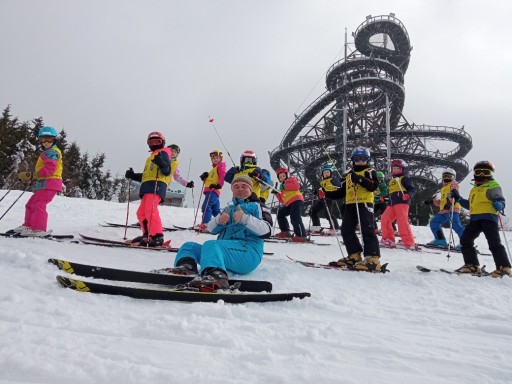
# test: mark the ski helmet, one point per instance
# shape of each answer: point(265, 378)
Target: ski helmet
point(400, 164)
point(216, 152)
point(248, 157)
point(448, 175)
point(326, 167)
point(360, 152)
point(484, 164)
point(175, 147)
point(281, 170)
point(47, 131)
point(380, 175)
point(156, 135)
point(483, 169)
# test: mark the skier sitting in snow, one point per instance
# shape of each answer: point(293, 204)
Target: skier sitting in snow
point(448, 211)
point(158, 170)
point(329, 183)
point(241, 228)
point(485, 203)
point(213, 182)
point(48, 178)
point(357, 188)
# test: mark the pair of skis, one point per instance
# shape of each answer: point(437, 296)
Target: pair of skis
point(483, 272)
point(175, 290)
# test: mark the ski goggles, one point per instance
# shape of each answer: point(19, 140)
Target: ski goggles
point(155, 141)
point(214, 154)
point(360, 159)
point(249, 160)
point(482, 172)
point(46, 139)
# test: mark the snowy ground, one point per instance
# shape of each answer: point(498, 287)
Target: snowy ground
point(400, 327)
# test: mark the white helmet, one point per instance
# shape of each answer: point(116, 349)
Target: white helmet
point(450, 172)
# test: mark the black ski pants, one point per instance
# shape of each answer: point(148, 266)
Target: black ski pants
point(348, 230)
point(319, 206)
point(492, 234)
point(294, 211)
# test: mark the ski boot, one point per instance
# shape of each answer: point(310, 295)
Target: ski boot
point(439, 243)
point(153, 241)
point(387, 243)
point(283, 235)
point(370, 263)
point(212, 279)
point(347, 261)
point(469, 268)
point(185, 266)
point(27, 232)
point(299, 239)
point(502, 271)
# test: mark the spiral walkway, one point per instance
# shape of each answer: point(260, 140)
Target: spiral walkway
point(360, 85)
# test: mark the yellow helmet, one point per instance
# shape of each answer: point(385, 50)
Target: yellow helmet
point(216, 152)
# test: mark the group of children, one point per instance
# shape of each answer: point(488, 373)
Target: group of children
point(363, 190)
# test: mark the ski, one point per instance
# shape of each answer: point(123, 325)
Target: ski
point(177, 294)
point(383, 268)
point(452, 249)
point(148, 277)
point(128, 245)
point(121, 244)
point(134, 225)
point(427, 270)
point(50, 236)
point(289, 241)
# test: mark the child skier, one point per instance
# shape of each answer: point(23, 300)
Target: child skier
point(401, 190)
point(157, 173)
point(249, 167)
point(485, 203)
point(48, 182)
point(213, 182)
point(448, 210)
point(357, 187)
point(292, 200)
point(329, 183)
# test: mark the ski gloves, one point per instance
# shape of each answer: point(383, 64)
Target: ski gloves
point(203, 176)
point(158, 161)
point(129, 174)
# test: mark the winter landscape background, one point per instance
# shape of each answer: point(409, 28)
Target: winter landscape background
point(401, 327)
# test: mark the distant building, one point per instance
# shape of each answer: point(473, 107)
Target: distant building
point(175, 195)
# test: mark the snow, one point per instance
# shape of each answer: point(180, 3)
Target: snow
point(400, 327)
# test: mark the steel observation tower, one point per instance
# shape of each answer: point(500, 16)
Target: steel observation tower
point(362, 105)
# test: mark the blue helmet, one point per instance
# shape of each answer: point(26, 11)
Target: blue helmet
point(361, 152)
point(47, 132)
point(326, 167)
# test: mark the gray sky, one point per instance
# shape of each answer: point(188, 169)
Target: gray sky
point(109, 72)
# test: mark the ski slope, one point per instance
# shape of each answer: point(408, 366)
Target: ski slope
point(400, 327)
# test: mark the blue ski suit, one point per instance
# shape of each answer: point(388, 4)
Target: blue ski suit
point(239, 246)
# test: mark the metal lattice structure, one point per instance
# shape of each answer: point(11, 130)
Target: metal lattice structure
point(363, 103)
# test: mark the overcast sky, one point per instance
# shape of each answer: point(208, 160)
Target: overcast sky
point(109, 72)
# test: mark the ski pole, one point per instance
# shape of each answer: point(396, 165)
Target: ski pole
point(211, 120)
point(3, 197)
point(127, 210)
point(335, 232)
point(504, 236)
point(450, 238)
point(359, 217)
point(205, 209)
point(198, 203)
point(15, 201)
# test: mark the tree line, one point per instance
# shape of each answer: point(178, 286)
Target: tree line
point(83, 175)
